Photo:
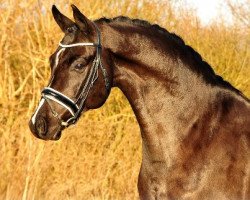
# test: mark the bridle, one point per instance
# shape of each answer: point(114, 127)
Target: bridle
point(76, 107)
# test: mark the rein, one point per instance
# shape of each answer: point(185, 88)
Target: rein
point(74, 108)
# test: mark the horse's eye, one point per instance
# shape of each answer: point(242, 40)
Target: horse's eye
point(79, 66)
point(80, 63)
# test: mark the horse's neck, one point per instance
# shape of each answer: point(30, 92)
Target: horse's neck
point(167, 97)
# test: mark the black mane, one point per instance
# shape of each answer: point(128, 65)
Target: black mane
point(202, 68)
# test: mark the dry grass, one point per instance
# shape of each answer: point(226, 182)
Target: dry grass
point(100, 157)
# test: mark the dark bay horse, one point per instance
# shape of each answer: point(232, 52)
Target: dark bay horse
point(195, 126)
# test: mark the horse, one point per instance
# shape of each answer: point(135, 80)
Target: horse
point(195, 126)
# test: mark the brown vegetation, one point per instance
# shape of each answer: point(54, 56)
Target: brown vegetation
point(100, 157)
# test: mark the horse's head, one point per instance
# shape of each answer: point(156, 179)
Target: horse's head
point(80, 77)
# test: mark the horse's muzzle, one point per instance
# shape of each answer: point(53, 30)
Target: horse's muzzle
point(41, 126)
point(39, 129)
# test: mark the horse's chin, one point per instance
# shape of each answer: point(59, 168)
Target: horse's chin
point(57, 135)
point(53, 136)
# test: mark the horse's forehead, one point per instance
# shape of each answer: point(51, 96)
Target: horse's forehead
point(67, 39)
point(74, 37)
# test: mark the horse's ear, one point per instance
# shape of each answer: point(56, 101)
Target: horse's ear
point(64, 22)
point(83, 23)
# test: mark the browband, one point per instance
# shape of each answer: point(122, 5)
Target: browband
point(78, 44)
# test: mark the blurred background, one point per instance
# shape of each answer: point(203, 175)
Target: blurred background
point(100, 157)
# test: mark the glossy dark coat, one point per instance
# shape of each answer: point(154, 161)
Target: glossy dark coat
point(195, 126)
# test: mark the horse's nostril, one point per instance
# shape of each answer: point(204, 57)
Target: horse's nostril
point(41, 126)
